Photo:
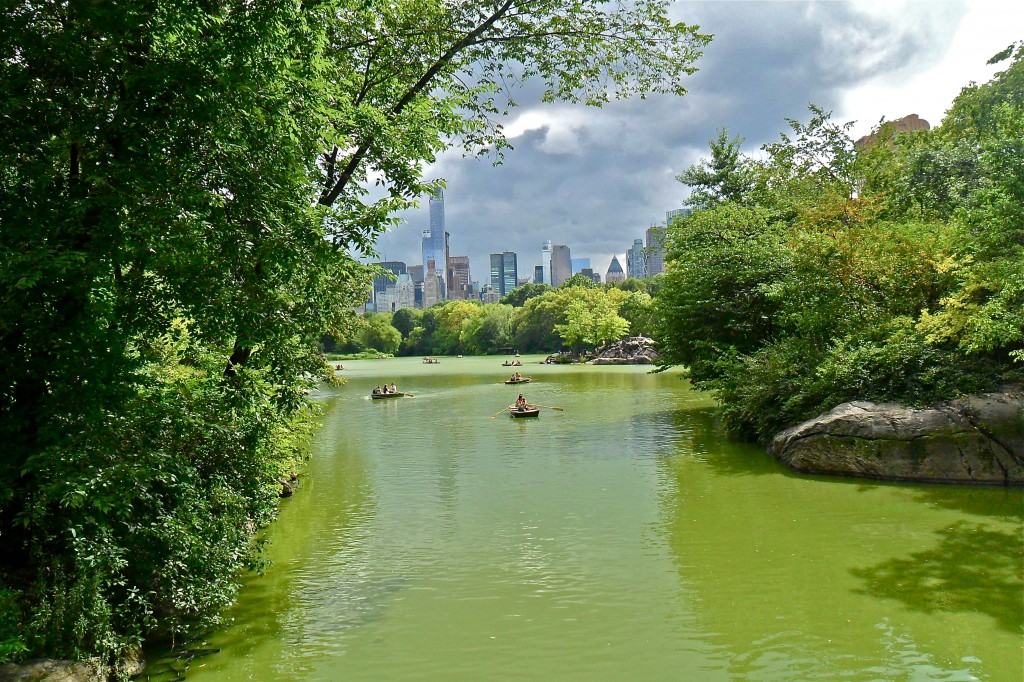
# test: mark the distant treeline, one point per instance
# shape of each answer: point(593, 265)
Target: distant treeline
point(579, 315)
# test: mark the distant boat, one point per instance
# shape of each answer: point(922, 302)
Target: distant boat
point(528, 411)
point(382, 396)
point(523, 380)
point(511, 364)
point(431, 361)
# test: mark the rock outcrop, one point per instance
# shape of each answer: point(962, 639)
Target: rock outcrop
point(636, 350)
point(51, 670)
point(978, 439)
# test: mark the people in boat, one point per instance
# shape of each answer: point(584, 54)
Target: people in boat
point(340, 366)
point(521, 403)
point(517, 377)
point(377, 391)
point(393, 389)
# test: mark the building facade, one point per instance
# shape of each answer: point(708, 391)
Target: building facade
point(433, 286)
point(382, 282)
point(545, 262)
point(504, 272)
point(561, 264)
point(578, 264)
point(401, 294)
point(636, 262)
point(489, 294)
point(459, 283)
point(655, 250)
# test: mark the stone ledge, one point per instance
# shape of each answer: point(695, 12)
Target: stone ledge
point(977, 439)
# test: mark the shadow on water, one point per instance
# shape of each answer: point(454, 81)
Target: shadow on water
point(973, 569)
point(701, 435)
point(1005, 504)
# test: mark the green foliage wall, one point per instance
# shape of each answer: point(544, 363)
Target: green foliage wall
point(824, 273)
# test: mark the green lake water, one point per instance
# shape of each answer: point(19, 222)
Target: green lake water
point(620, 539)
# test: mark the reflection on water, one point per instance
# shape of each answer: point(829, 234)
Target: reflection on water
point(620, 539)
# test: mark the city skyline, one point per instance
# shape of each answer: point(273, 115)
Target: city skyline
point(596, 179)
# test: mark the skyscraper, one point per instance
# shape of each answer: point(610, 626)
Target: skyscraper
point(504, 272)
point(458, 277)
point(545, 261)
point(433, 285)
point(434, 243)
point(578, 264)
point(401, 294)
point(538, 274)
point(615, 273)
point(636, 262)
point(381, 282)
point(655, 250)
point(561, 264)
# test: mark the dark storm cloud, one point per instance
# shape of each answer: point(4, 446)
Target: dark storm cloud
point(595, 179)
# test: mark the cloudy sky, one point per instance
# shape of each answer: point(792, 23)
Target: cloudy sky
point(595, 179)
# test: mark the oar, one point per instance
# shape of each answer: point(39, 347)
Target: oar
point(548, 406)
point(499, 412)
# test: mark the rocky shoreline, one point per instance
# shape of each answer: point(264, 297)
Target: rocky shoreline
point(977, 439)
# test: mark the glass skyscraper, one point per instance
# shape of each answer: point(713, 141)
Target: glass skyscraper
point(504, 272)
point(433, 238)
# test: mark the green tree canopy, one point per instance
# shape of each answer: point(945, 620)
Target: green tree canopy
point(518, 297)
point(888, 273)
point(378, 334)
point(579, 280)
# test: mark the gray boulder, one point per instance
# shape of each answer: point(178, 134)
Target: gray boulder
point(131, 662)
point(977, 439)
point(635, 350)
point(50, 670)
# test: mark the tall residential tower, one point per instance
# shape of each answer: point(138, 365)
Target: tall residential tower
point(434, 243)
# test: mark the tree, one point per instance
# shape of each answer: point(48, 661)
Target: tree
point(518, 297)
point(405, 320)
point(451, 317)
point(591, 318)
point(629, 284)
point(726, 176)
point(378, 334)
point(580, 281)
point(637, 309)
point(489, 330)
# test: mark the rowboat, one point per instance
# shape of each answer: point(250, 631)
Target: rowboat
point(512, 364)
point(520, 413)
point(382, 396)
point(524, 380)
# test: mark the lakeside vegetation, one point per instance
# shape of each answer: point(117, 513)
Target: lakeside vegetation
point(823, 272)
point(534, 318)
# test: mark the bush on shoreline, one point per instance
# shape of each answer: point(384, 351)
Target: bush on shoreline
point(824, 272)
